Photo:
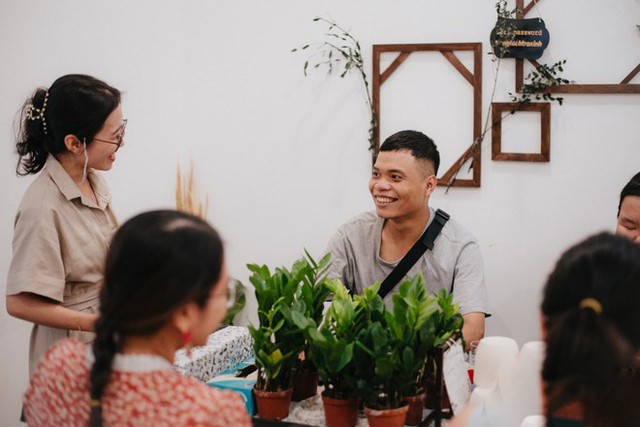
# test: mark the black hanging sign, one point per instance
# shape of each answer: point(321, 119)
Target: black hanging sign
point(519, 38)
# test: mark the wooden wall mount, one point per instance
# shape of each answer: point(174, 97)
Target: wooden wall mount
point(473, 77)
point(497, 108)
point(623, 87)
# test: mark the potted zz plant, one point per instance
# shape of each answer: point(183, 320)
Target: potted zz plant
point(377, 357)
point(412, 327)
point(278, 341)
point(447, 322)
point(308, 300)
point(331, 348)
point(275, 352)
point(391, 355)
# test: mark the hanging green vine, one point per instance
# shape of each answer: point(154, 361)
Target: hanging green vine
point(504, 29)
point(341, 53)
point(538, 81)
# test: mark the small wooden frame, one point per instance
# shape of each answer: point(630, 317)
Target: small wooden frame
point(473, 77)
point(623, 87)
point(497, 108)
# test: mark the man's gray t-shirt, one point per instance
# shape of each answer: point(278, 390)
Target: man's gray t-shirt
point(455, 262)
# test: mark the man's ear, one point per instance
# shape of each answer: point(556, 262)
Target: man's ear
point(73, 144)
point(430, 184)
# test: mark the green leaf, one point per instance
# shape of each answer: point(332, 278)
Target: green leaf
point(345, 357)
point(384, 368)
point(301, 321)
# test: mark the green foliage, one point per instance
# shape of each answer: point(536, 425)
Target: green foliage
point(341, 53)
point(392, 352)
point(538, 81)
point(313, 290)
point(448, 320)
point(369, 307)
point(360, 347)
point(504, 29)
point(377, 360)
point(274, 358)
point(235, 291)
point(332, 342)
point(535, 85)
point(282, 296)
point(331, 353)
point(412, 324)
point(308, 300)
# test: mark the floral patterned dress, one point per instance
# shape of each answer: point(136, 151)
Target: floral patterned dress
point(143, 390)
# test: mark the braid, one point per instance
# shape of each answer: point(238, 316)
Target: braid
point(104, 350)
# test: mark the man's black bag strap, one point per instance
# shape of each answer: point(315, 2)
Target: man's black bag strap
point(425, 242)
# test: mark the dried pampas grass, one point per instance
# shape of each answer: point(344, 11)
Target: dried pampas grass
point(186, 199)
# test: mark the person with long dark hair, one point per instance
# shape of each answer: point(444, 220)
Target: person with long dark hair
point(165, 288)
point(592, 326)
point(67, 132)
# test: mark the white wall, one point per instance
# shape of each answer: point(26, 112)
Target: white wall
point(284, 158)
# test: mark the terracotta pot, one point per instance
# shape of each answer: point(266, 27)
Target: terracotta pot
point(273, 405)
point(416, 406)
point(386, 417)
point(305, 385)
point(340, 412)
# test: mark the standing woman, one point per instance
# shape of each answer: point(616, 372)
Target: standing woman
point(64, 222)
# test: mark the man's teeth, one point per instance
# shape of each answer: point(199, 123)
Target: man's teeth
point(382, 199)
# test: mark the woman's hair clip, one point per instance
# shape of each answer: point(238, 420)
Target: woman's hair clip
point(34, 113)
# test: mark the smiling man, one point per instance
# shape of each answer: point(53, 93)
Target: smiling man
point(629, 210)
point(367, 248)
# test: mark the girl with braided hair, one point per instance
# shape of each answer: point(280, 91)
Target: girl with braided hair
point(165, 288)
point(67, 133)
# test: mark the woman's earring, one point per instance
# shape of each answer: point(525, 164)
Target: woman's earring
point(86, 161)
point(186, 342)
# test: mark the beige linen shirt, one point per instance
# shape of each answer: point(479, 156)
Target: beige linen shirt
point(59, 247)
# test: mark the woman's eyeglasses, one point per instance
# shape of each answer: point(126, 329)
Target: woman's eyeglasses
point(234, 292)
point(119, 138)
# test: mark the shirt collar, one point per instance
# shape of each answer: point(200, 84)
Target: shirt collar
point(69, 188)
point(139, 363)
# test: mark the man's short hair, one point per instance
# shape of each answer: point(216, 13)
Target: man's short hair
point(420, 145)
point(631, 189)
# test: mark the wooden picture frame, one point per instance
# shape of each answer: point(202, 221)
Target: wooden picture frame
point(473, 77)
point(497, 108)
point(623, 87)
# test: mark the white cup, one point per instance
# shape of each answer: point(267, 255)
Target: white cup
point(520, 386)
point(491, 354)
point(480, 396)
point(534, 421)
